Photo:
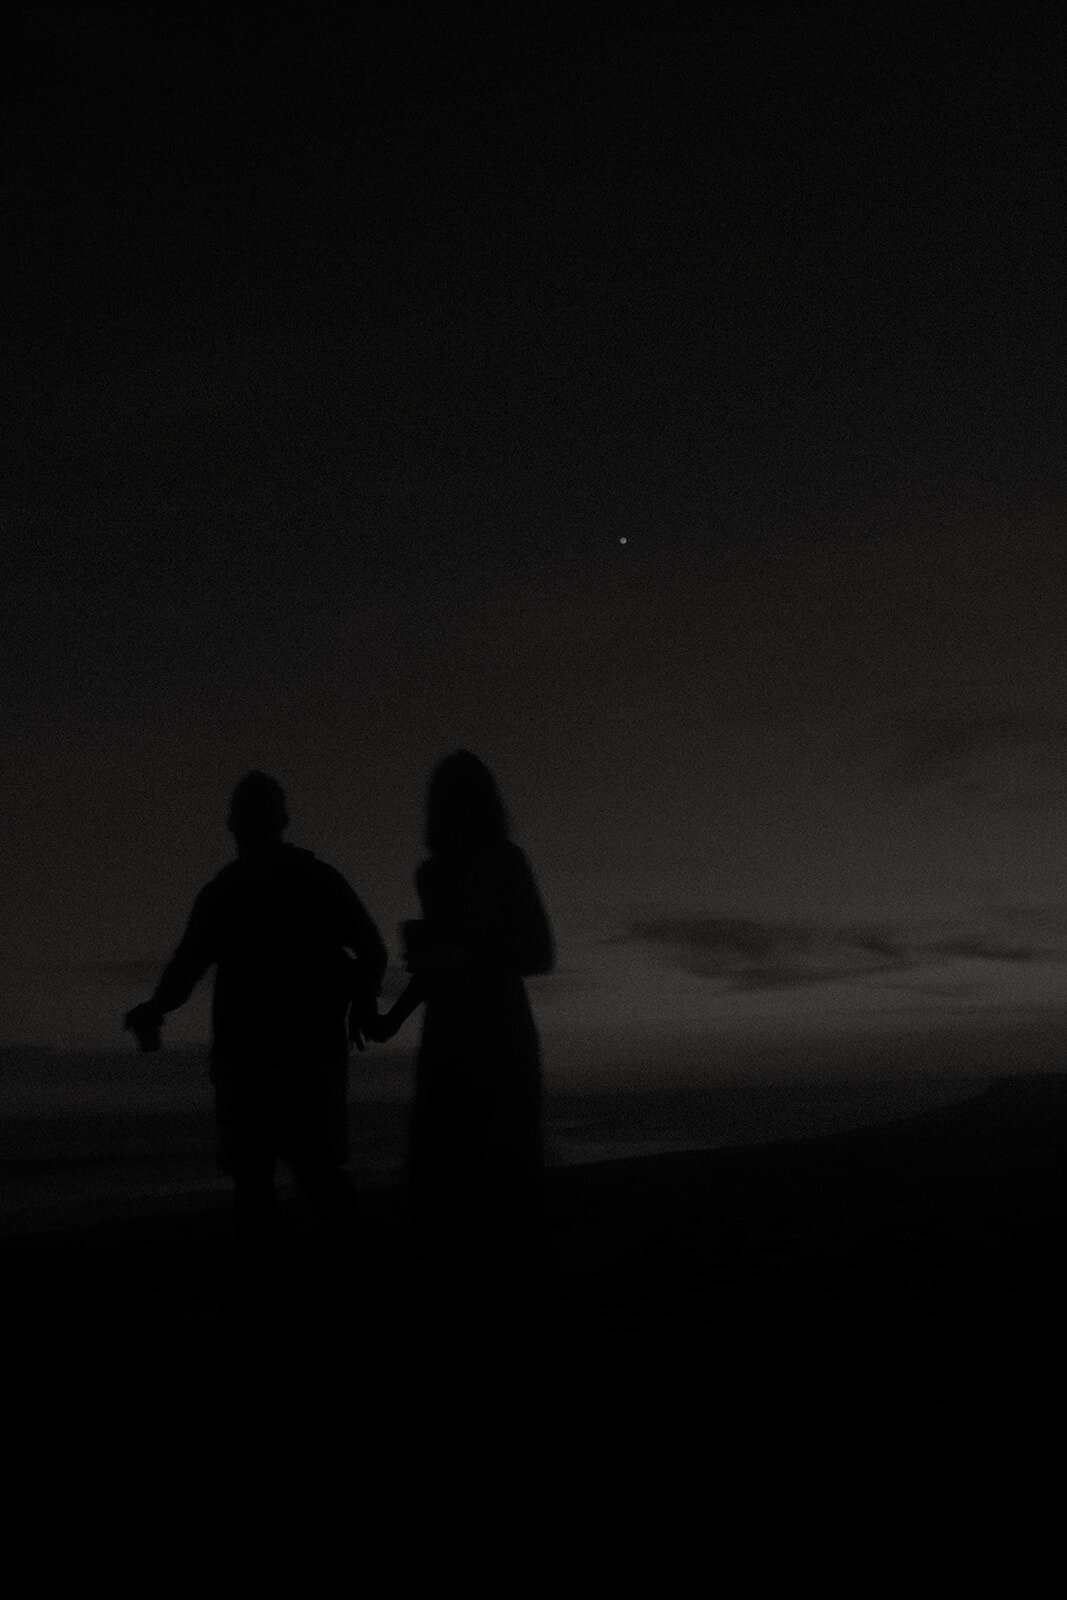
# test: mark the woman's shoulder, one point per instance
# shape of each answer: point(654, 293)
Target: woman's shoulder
point(431, 879)
point(502, 858)
point(513, 858)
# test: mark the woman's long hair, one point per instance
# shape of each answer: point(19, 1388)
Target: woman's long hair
point(464, 811)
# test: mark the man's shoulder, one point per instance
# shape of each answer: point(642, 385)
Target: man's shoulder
point(307, 867)
point(293, 864)
point(228, 887)
point(224, 880)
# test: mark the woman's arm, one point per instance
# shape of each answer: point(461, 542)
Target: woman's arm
point(411, 997)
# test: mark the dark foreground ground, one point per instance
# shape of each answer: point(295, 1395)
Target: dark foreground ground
point(900, 1283)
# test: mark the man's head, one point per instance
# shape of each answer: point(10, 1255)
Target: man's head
point(258, 817)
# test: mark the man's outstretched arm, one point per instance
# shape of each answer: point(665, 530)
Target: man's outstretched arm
point(195, 953)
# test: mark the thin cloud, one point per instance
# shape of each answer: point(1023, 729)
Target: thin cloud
point(1047, 797)
point(938, 991)
point(141, 970)
point(748, 955)
point(989, 950)
point(137, 971)
point(1007, 762)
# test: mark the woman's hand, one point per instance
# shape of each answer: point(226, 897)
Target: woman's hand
point(144, 1022)
point(363, 1021)
point(378, 1029)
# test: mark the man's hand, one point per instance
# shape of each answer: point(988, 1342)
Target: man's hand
point(362, 1024)
point(379, 1029)
point(144, 1022)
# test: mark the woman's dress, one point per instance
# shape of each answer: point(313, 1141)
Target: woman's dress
point(476, 1147)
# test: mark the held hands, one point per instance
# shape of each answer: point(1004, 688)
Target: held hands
point(144, 1022)
point(379, 1029)
point(367, 1024)
point(361, 1024)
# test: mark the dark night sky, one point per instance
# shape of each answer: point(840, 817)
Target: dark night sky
point(343, 349)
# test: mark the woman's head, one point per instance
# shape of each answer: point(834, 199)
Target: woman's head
point(464, 810)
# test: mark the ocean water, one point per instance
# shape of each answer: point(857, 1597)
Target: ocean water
point(85, 1136)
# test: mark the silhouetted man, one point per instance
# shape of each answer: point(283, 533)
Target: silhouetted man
point(298, 967)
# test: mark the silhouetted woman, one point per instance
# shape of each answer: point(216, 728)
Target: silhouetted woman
point(476, 1154)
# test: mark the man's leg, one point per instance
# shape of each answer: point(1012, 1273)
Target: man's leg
point(317, 1145)
point(243, 1109)
point(257, 1218)
point(330, 1191)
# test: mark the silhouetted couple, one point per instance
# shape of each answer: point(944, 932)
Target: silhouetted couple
point(298, 969)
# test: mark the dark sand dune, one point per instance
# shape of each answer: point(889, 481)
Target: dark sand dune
point(914, 1268)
